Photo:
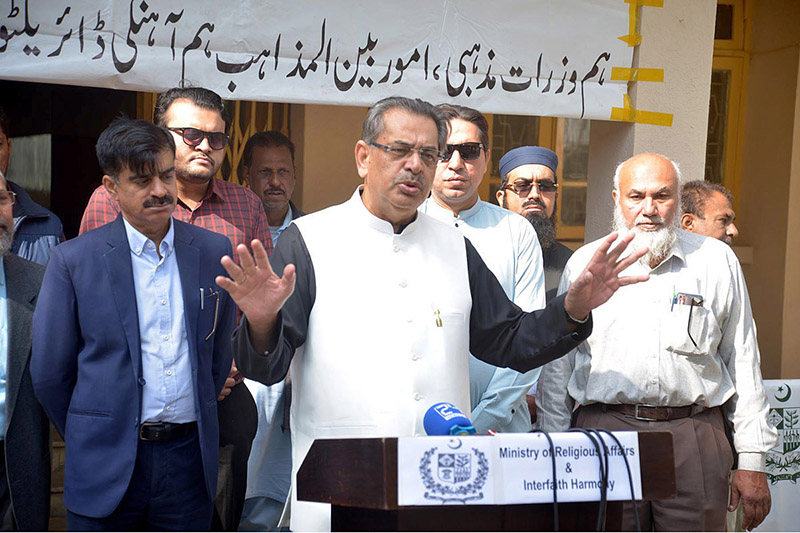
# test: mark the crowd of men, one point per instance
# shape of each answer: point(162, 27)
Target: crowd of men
point(198, 335)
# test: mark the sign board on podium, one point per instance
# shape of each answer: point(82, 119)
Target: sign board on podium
point(516, 468)
point(360, 478)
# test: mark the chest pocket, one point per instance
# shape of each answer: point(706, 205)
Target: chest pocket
point(686, 330)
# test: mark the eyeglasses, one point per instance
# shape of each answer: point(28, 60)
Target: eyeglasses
point(7, 198)
point(428, 156)
point(524, 187)
point(211, 294)
point(192, 137)
point(468, 151)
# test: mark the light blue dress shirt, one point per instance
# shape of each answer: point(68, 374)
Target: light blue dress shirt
point(3, 348)
point(508, 245)
point(275, 231)
point(168, 394)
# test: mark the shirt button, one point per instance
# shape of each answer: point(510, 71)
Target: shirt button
point(138, 249)
point(409, 320)
point(403, 284)
point(169, 408)
point(149, 244)
point(417, 396)
point(415, 357)
point(158, 269)
point(396, 248)
point(163, 302)
point(456, 224)
point(653, 381)
point(166, 337)
point(169, 372)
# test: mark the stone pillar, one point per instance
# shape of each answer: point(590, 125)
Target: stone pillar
point(678, 38)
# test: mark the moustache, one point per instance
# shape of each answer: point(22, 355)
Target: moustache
point(167, 199)
point(655, 219)
point(271, 190)
point(529, 203)
point(407, 176)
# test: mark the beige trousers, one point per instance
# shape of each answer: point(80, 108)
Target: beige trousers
point(703, 460)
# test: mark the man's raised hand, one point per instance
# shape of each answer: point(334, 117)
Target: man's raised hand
point(601, 277)
point(256, 289)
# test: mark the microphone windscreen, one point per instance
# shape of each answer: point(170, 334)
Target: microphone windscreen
point(444, 418)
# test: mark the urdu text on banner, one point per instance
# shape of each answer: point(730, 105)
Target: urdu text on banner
point(528, 57)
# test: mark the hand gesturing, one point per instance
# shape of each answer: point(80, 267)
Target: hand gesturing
point(600, 279)
point(256, 289)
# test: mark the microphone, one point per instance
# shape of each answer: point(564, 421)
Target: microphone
point(444, 418)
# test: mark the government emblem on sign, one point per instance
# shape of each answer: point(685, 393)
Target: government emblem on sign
point(783, 461)
point(455, 479)
point(454, 467)
point(787, 422)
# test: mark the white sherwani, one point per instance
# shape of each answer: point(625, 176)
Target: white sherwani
point(379, 329)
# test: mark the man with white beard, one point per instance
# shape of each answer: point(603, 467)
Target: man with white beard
point(675, 353)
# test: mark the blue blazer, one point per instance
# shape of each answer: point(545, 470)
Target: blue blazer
point(86, 363)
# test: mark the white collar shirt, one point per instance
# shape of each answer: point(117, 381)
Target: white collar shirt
point(651, 346)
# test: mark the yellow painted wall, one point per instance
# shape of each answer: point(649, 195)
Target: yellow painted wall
point(764, 210)
point(790, 360)
point(326, 138)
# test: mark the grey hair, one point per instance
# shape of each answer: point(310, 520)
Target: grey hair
point(695, 194)
point(373, 123)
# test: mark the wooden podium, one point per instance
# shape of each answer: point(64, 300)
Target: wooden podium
point(359, 478)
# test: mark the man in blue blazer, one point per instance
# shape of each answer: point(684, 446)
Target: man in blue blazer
point(132, 349)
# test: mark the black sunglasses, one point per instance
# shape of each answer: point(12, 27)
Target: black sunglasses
point(192, 137)
point(468, 151)
point(523, 187)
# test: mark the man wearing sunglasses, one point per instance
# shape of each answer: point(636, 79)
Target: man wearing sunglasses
point(529, 187)
point(508, 246)
point(197, 120)
point(379, 305)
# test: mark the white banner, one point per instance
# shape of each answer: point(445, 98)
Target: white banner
point(530, 57)
point(514, 468)
point(783, 461)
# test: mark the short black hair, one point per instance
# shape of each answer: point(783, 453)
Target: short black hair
point(266, 139)
point(373, 123)
point(453, 111)
point(132, 144)
point(199, 96)
point(4, 122)
point(695, 194)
